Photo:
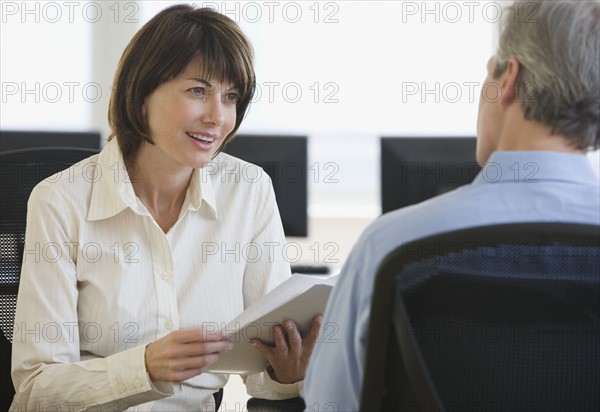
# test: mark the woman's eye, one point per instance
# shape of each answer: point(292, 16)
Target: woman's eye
point(198, 90)
point(232, 97)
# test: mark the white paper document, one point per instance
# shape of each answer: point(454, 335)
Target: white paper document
point(300, 298)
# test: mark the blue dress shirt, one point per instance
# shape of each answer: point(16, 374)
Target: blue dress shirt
point(514, 186)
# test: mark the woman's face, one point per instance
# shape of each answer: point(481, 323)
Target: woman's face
point(189, 117)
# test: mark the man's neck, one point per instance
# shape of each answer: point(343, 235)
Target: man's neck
point(521, 134)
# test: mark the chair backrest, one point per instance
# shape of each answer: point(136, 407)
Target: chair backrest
point(503, 317)
point(20, 171)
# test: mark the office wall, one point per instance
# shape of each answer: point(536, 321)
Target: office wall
point(57, 62)
point(341, 72)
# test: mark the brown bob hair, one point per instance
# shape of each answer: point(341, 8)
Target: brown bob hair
point(161, 50)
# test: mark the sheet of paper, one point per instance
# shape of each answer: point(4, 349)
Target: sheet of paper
point(289, 289)
point(300, 298)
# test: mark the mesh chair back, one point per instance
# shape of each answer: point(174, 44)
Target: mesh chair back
point(501, 318)
point(20, 171)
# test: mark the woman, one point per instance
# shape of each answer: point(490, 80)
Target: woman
point(122, 316)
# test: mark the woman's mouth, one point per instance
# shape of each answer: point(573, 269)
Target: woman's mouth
point(201, 137)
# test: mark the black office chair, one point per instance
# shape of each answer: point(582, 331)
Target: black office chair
point(496, 318)
point(20, 171)
point(265, 405)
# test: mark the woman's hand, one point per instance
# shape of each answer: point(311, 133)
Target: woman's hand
point(183, 354)
point(290, 355)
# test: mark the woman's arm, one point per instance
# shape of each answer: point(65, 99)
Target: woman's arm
point(47, 365)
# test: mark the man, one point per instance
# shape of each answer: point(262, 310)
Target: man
point(538, 115)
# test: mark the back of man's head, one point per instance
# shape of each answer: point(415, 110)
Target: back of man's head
point(557, 44)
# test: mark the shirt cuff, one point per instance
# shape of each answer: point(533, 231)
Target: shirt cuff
point(261, 385)
point(129, 377)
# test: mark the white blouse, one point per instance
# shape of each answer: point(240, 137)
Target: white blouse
point(100, 280)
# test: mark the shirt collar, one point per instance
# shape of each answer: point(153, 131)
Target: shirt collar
point(533, 166)
point(112, 191)
point(201, 189)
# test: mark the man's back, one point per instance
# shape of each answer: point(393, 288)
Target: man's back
point(514, 186)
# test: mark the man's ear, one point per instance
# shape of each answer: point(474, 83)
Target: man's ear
point(508, 82)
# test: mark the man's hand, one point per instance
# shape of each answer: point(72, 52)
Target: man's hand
point(183, 354)
point(290, 355)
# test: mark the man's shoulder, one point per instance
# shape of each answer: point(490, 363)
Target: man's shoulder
point(411, 222)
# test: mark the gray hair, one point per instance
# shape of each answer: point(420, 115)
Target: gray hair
point(557, 44)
